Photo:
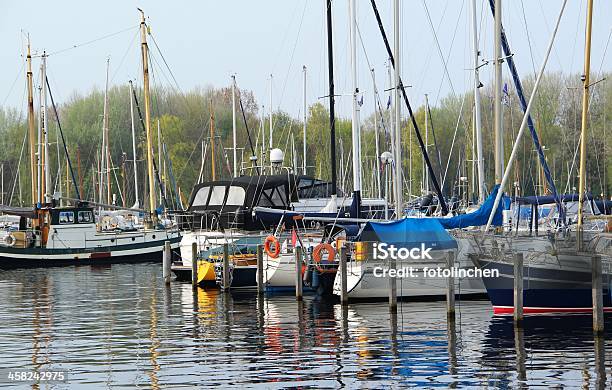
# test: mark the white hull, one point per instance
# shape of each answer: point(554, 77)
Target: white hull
point(363, 284)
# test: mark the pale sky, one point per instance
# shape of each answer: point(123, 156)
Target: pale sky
point(204, 42)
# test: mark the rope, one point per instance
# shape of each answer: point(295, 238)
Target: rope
point(92, 41)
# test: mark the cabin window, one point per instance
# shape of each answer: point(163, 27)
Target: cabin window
point(66, 217)
point(235, 196)
point(201, 196)
point(279, 195)
point(273, 197)
point(85, 217)
point(217, 195)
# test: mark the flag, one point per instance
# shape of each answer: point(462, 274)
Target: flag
point(505, 95)
point(360, 101)
point(389, 102)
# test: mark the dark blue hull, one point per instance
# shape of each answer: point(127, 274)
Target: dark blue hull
point(544, 290)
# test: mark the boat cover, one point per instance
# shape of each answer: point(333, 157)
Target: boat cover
point(26, 212)
point(409, 233)
point(480, 216)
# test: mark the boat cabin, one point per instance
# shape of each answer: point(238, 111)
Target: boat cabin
point(223, 204)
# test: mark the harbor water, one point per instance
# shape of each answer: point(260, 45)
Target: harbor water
point(121, 326)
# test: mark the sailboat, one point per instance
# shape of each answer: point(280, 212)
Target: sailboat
point(558, 256)
point(52, 235)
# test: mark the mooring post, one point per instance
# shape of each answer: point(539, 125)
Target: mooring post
point(518, 289)
point(343, 275)
point(260, 270)
point(598, 315)
point(298, 272)
point(450, 287)
point(194, 264)
point(392, 283)
point(226, 266)
point(167, 262)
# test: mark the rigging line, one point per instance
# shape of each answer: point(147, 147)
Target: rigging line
point(556, 55)
point(603, 57)
point(376, 95)
point(433, 132)
point(411, 113)
point(128, 50)
point(19, 73)
point(78, 45)
point(578, 19)
point(59, 126)
point(285, 35)
point(297, 38)
point(25, 136)
point(430, 54)
point(433, 31)
point(454, 138)
point(165, 63)
point(528, 37)
point(246, 125)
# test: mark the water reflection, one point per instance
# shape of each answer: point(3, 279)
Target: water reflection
point(121, 326)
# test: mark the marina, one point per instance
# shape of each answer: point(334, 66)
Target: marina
point(350, 233)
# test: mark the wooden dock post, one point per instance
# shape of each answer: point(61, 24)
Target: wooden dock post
point(392, 286)
point(343, 275)
point(450, 288)
point(167, 262)
point(598, 314)
point(194, 264)
point(298, 272)
point(260, 270)
point(226, 266)
point(518, 289)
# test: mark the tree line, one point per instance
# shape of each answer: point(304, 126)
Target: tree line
point(184, 123)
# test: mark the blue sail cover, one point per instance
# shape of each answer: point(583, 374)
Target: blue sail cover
point(480, 216)
point(409, 233)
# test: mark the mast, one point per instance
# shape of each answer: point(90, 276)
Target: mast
point(271, 112)
point(106, 165)
point(356, 130)
point(376, 137)
point(145, 73)
point(80, 173)
point(499, 140)
point(390, 105)
point(397, 84)
point(332, 99)
point(304, 129)
point(425, 176)
point(45, 133)
point(234, 124)
point(137, 203)
point(525, 120)
point(212, 141)
point(39, 148)
point(477, 115)
point(31, 125)
point(585, 109)
point(159, 159)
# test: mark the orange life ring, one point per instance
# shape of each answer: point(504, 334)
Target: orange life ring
point(267, 247)
point(317, 256)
